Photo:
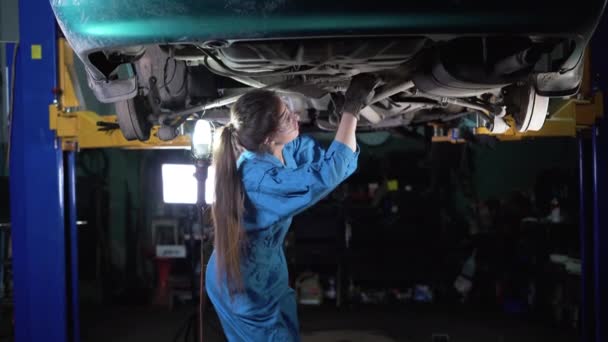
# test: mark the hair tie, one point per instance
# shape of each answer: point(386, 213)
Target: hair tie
point(231, 128)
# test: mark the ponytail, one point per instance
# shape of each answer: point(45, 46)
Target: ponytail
point(227, 211)
point(257, 115)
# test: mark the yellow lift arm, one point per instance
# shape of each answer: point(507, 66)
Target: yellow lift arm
point(80, 130)
point(564, 119)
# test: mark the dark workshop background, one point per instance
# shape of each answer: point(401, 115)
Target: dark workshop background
point(405, 252)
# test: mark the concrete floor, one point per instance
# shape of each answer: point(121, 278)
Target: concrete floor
point(378, 324)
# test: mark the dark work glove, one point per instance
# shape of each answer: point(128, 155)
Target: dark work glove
point(359, 93)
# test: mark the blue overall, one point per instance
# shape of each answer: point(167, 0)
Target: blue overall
point(274, 193)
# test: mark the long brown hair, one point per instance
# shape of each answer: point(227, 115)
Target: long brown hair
point(254, 119)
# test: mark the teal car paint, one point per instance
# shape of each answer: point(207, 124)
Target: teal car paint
point(94, 24)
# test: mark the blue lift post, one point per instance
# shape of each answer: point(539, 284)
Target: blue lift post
point(583, 179)
point(71, 226)
point(595, 271)
point(600, 180)
point(590, 315)
point(45, 281)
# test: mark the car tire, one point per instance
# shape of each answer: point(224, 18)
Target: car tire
point(132, 117)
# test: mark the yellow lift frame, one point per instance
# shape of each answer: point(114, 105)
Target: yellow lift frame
point(79, 129)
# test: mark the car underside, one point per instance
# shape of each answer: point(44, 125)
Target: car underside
point(484, 78)
point(422, 80)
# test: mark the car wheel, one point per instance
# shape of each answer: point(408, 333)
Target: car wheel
point(132, 115)
point(531, 109)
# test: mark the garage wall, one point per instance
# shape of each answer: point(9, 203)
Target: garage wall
point(9, 21)
point(516, 165)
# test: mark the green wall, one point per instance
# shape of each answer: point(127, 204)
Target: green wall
point(135, 191)
point(515, 165)
point(9, 21)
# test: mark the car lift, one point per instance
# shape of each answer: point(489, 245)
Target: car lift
point(48, 128)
